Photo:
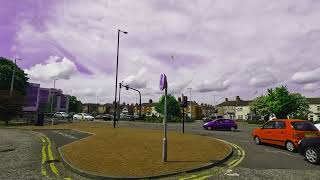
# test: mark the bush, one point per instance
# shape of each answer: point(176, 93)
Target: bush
point(152, 119)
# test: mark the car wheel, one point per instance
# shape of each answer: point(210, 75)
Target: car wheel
point(232, 129)
point(209, 128)
point(312, 155)
point(257, 140)
point(290, 146)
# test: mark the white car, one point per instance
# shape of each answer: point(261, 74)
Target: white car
point(317, 126)
point(61, 115)
point(83, 116)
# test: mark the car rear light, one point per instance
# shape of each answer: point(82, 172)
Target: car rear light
point(298, 135)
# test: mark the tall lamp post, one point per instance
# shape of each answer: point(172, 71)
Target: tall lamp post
point(116, 87)
point(190, 104)
point(13, 74)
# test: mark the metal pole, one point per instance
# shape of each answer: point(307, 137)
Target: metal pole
point(115, 93)
point(164, 148)
point(119, 107)
point(183, 120)
point(54, 83)
point(13, 73)
point(140, 105)
point(190, 104)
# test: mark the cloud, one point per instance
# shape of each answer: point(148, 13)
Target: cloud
point(306, 77)
point(53, 68)
point(263, 80)
point(137, 81)
point(311, 87)
point(209, 86)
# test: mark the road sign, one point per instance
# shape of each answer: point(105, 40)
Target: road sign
point(163, 82)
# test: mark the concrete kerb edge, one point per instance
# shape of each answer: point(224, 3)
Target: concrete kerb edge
point(97, 176)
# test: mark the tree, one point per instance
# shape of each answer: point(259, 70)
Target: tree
point(20, 80)
point(173, 108)
point(11, 106)
point(282, 103)
point(75, 105)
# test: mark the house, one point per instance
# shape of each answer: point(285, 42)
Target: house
point(237, 109)
point(195, 112)
point(314, 108)
point(208, 110)
point(148, 109)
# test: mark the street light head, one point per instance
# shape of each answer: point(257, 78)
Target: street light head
point(125, 32)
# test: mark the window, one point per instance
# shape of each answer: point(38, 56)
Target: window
point(269, 125)
point(318, 108)
point(240, 116)
point(280, 125)
point(303, 126)
point(240, 109)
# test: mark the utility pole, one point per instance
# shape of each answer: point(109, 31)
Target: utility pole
point(119, 102)
point(190, 104)
point(13, 74)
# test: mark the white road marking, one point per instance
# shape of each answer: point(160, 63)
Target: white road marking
point(65, 135)
point(229, 173)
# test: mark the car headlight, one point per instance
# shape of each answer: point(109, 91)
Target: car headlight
point(205, 124)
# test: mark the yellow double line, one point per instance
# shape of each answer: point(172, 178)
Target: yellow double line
point(45, 140)
point(232, 164)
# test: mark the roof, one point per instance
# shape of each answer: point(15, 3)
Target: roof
point(234, 103)
point(313, 100)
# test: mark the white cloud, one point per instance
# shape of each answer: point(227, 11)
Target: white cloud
point(216, 85)
point(306, 77)
point(263, 80)
point(311, 87)
point(137, 81)
point(53, 68)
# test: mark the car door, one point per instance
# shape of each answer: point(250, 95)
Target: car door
point(219, 124)
point(279, 133)
point(266, 132)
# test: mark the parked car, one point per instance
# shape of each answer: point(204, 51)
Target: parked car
point(107, 117)
point(61, 115)
point(83, 116)
point(310, 149)
point(221, 124)
point(284, 132)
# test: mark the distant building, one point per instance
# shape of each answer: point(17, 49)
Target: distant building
point(314, 108)
point(45, 99)
point(195, 112)
point(237, 109)
point(147, 109)
point(208, 110)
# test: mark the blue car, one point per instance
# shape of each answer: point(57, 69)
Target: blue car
point(227, 124)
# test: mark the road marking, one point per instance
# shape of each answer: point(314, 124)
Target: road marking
point(65, 135)
point(43, 158)
point(240, 153)
point(51, 158)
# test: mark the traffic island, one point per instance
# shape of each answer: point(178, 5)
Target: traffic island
point(126, 152)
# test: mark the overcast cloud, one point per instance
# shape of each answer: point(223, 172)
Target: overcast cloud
point(218, 48)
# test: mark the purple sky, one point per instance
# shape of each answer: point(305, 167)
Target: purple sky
point(221, 48)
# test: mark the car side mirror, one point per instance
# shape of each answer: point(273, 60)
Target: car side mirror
point(261, 127)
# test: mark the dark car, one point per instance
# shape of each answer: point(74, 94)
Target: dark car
point(310, 149)
point(228, 124)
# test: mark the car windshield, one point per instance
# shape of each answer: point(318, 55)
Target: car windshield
point(303, 126)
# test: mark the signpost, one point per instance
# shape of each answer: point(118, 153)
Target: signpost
point(164, 86)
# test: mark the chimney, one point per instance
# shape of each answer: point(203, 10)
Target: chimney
point(150, 101)
point(226, 99)
point(238, 98)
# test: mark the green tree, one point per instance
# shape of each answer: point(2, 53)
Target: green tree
point(20, 80)
point(259, 106)
point(282, 103)
point(10, 106)
point(74, 105)
point(173, 108)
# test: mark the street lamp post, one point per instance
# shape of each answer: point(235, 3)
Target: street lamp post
point(190, 104)
point(115, 93)
point(13, 74)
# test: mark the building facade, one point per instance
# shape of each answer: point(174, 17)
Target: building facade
point(314, 108)
point(237, 109)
